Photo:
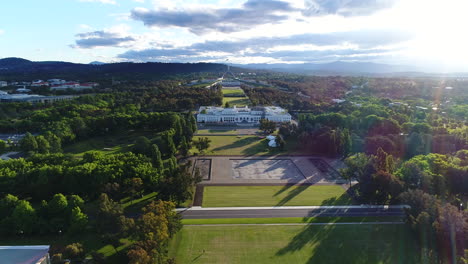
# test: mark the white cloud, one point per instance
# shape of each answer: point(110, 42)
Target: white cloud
point(2, 31)
point(112, 2)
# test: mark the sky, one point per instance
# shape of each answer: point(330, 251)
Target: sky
point(424, 33)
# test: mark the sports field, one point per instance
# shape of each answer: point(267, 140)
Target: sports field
point(227, 196)
point(281, 244)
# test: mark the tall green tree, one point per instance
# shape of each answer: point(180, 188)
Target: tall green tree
point(28, 143)
point(24, 218)
point(43, 145)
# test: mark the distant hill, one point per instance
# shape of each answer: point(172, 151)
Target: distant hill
point(338, 67)
point(97, 63)
point(21, 69)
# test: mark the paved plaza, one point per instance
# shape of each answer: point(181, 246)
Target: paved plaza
point(268, 170)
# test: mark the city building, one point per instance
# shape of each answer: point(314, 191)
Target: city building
point(213, 114)
point(24, 254)
point(3, 84)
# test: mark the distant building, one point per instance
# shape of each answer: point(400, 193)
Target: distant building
point(24, 254)
point(33, 98)
point(230, 83)
point(56, 81)
point(212, 114)
point(23, 90)
point(39, 83)
point(74, 86)
point(338, 101)
point(3, 84)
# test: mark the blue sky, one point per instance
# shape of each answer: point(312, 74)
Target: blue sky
point(413, 32)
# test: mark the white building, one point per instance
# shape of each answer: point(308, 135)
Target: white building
point(3, 84)
point(56, 81)
point(230, 83)
point(212, 114)
point(39, 83)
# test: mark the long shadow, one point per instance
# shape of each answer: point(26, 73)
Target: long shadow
point(354, 244)
point(293, 193)
point(236, 144)
point(343, 199)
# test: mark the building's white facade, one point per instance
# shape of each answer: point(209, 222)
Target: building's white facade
point(3, 84)
point(212, 114)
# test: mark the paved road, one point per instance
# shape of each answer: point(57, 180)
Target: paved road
point(267, 213)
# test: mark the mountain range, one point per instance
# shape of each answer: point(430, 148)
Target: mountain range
point(19, 66)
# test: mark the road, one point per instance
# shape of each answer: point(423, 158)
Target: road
point(269, 213)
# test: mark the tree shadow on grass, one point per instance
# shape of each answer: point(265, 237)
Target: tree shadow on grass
point(354, 244)
point(292, 193)
point(237, 144)
point(343, 199)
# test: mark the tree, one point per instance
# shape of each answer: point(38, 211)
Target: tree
point(202, 143)
point(156, 157)
point(3, 146)
point(156, 226)
point(184, 147)
point(452, 233)
point(58, 206)
point(43, 145)
point(54, 142)
point(171, 148)
point(74, 251)
point(192, 122)
point(7, 205)
point(108, 215)
point(28, 143)
point(227, 105)
point(24, 217)
point(135, 186)
point(139, 256)
point(280, 142)
point(142, 146)
point(267, 126)
point(78, 221)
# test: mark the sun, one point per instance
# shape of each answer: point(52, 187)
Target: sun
point(439, 32)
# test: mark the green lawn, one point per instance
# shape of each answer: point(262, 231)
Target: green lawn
point(233, 92)
point(295, 244)
point(244, 145)
point(225, 196)
point(216, 131)
point(110, 144)
point(237, 101)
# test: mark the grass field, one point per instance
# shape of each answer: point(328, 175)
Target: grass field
point(238, 101)
point(233, 92)
point(295, 244)
point(225, 196)
point(244, 145)
point(216, 131)
point(106, 144)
